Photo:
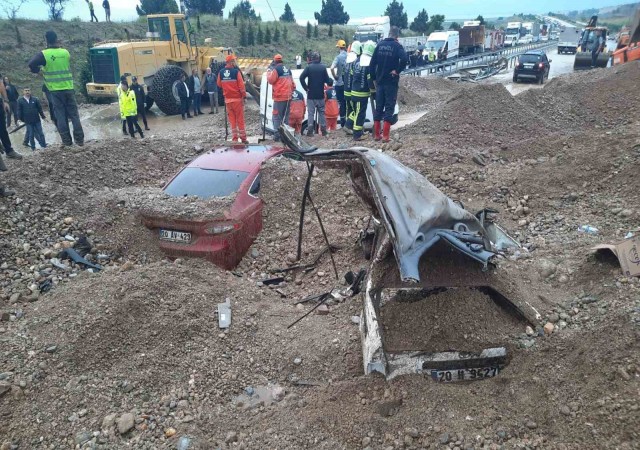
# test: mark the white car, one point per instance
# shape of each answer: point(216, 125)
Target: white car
point(266, 101)
point(528, 39)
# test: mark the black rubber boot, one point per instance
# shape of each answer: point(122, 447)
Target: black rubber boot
point(323, 130)
point(11, 153)
point(3, 167)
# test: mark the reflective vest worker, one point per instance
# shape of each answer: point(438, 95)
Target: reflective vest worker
point(279, 76)
point(231, 81)
point(432, 56)
point(129, 109)
point(359, 77)
point(54, 63)
point(346, 77)
point(297, 109)
point(331, 107)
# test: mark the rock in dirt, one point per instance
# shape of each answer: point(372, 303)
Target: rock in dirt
point(125, 423)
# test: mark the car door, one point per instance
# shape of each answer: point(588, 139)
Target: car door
point(547, 66)
point(254, 210)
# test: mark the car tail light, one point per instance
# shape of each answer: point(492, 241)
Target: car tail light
point(223, 227)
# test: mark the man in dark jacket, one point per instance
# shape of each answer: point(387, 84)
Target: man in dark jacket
point(12, 95)
point(190, 86)
point(4, 139)
point(183, 94)
point(388, 60)
point(313, 79)
point(30, 112)
point(140, 98)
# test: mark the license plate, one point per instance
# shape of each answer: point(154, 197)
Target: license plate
point(175, 236)
point(450, 376)
point(528, 66)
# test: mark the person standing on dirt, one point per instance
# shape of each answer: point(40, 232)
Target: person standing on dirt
point(337, 69)
point(140, 98)
point(279, 76)
point(129, 109)
point(183, 94)
point(119, 93)
point(30, 112)
point(4, 139)
point(331, 107)
point(360, 92)
point(597, 47)
point(54, 63)
point(210, 86)
point(195, 85)
point(93, 13)
point(297, 109)
point(313, 79)
point(12, 95)
point(298, 62)
point(388, 60)
point(231, 81)
point(107, 10)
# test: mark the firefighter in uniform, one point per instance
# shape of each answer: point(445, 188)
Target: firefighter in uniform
point(231, 81)
point(359, 79)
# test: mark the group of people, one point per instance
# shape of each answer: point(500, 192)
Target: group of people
point(107, 10)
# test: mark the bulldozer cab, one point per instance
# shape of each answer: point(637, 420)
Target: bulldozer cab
point(175, 29)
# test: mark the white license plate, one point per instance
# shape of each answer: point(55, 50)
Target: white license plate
point(175, 236)
point(528, 66)
point(450, 376)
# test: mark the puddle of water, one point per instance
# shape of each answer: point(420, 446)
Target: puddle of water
point(254, 397)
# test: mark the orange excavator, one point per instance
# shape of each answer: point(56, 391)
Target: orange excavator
point(629, 43)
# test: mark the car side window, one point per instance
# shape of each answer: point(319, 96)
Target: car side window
point(255, 186)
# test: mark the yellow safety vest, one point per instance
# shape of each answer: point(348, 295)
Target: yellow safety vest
point(128, 105)
point(57, 72)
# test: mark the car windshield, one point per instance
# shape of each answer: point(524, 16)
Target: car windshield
point(512, 31)
point(437, 45)
point(206, 183)
point(530, 58)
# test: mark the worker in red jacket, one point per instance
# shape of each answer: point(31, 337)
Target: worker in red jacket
point(331, 106)
point(279, 76)
point(297, 109)
point(231, 81)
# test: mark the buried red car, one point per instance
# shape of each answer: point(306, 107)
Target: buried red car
point(221, 172)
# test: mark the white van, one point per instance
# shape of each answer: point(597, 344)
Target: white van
point(266, 101)
point(447, 41)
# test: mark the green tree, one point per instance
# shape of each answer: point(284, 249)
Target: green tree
point(287, 16)
point(397, 15)
point(330, 30)
point(243, 35)
point(421, 23)
point(159, 7)
point(309, 30)
point(251, 37)
point(285, 34)
point(267, 36)
point(455, 26)
point(214, 7)
point(276, 34)
point(435, 23)
point(235, 20)
point(244, 10)
point(480, 19)
point(55, 8)
point(260, 36)
point(316, 34)
point(332, 11)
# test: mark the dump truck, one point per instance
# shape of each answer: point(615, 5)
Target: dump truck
point(471, 38)
point(568, 40)
point(372, 29)
point(169, 51)
point(589, 39)
point(628, 48)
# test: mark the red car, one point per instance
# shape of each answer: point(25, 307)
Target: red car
point(217, 173)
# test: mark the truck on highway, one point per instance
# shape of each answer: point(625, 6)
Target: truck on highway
point(445, 43)
point(493, 40)
point(471, 38)
point(512, 34)
point(545, 32)
point(568, 40)
point(531, 31)
point(372, 29)
point(411, 43)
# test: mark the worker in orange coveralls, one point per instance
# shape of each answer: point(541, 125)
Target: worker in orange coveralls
point(331, 107)
point(231, 81)
point(297, 109)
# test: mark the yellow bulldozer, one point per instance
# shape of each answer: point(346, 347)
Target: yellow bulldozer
point(169, 51)
point(588, 40)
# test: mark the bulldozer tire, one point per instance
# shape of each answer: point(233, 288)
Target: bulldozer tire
point(148, 103)
point(163, 87)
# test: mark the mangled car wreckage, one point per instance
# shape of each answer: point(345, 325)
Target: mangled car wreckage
point(419, 240)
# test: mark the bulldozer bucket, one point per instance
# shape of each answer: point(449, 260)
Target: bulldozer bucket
point(603, 60)
point(583, 61)
point(254, 68)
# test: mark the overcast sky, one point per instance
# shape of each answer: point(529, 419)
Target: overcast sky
point(304, 9)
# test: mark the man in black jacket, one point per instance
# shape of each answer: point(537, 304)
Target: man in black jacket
point(191, 87)
point(388, 60)
point(317, 76)
point(12, 95)
point(30, 112)
point(183, 94)
point(4, 139)
point(140, 98)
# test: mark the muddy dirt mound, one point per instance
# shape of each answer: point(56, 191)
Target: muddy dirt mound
point(415, 92)
point(597, 98)
point(481, 115)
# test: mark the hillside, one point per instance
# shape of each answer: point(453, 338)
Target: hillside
point(77, 36)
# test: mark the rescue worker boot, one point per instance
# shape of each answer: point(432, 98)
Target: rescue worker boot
point(386, 132)
point(323, 130)
point(3, 167)
point(376, 131)
point(310, 132)
point(358, 136)
point(4, 192)
point(11, 153)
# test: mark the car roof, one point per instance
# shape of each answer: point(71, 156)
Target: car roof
point(534, 52)
point(243, 158)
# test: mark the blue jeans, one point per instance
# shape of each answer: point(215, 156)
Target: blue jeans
point(342, 103)
point(34, 131)
point(197, 101)
point(386, 97)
